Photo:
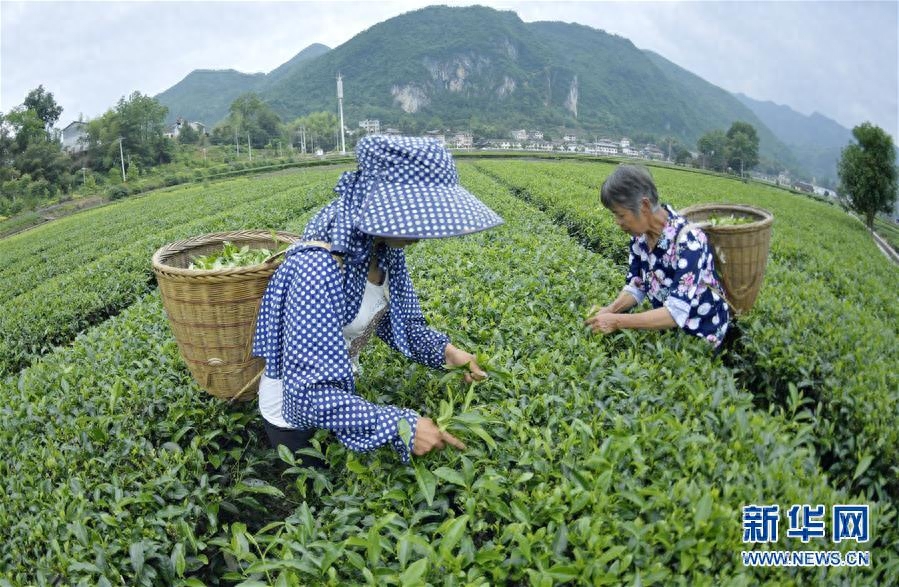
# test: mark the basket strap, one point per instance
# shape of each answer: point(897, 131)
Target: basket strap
point(249, 347)
point(246, 387)
point(322, 244)
point(717, 290)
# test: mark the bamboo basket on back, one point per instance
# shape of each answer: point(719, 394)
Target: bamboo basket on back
point(212, 313)
point(740, 250)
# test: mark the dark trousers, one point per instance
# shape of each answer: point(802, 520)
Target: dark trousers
point(294, 440)
point(731, 338)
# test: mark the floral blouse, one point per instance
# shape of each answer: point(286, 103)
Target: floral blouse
point(679, 274)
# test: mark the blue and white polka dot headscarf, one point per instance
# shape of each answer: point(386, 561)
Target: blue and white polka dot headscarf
point(405, 187)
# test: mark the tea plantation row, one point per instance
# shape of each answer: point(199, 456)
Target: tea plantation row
point(64, 276)
point(825, 330)
point(592, 460)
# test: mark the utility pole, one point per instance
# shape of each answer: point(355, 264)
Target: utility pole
point(237, 142)
point(340, 107)
point(249, 146)
point(303, 139)
point(122, 158)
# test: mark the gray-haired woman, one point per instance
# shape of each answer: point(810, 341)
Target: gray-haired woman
point(670, 263)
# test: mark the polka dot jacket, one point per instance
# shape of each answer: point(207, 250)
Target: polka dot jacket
point(679, 274)
point(309, 300)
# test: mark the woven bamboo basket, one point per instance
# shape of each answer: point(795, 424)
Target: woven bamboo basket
point(212, 313)
point(740, 250)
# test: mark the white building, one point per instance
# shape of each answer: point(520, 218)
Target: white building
point(520, 135)
point(606, 147)
point(569, 138)
point(371, 127)
point(74, 137)
point(653, 152)
point(463, 140)
point(174, 130)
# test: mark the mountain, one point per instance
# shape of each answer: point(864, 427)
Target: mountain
point(719, 105)
point(816, 140)
point(308, 54)
point(486, 70)
point(205, 95)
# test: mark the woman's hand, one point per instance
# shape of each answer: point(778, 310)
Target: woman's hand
point(607, 323)
point(456, 357)
point(429, 437)
point(596, 311)
point(594, 314)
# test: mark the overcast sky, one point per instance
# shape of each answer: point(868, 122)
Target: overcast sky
point(838, 58)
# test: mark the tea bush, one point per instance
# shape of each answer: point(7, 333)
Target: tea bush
point(66, 291)
point(826, 322)
point(622, 459)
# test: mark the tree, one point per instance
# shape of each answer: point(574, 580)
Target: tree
point(44, 106)
point(868, 174)
point(713, 148)
point(321, 130)
point(33, 166)
point(681, 155)
point(187, 135)
point(140, 121)
point(249, 114)
point(742, 146)
point(33, 151)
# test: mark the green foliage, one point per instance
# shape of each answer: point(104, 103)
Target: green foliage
point(731, 220)
point(139, 122)
point(133, 473)
point(90, 180)
point(889, 231)
point(738, 149)
point(103, 263)
point(232, 256)
point(713, 148)
point(622, 459)
point(742, 146)
point(117, 192)
point(790, 339)
point(33, 167)
point(42, 103)
point(321, 130)
point(133, 173)
point(250, 119)
point(682, 155)
point(868, 173)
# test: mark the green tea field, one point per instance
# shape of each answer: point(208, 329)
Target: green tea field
point(624, 459)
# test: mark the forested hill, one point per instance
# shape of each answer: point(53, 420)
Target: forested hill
point(205, 94)
point(817, 141)
point(487, 70)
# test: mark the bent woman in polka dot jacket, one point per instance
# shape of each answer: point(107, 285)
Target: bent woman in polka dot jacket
point(348, 279)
